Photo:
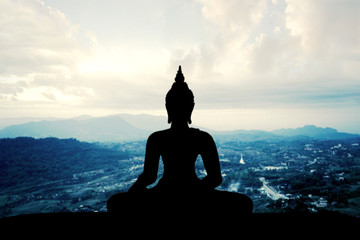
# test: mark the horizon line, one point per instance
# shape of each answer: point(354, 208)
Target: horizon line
point(49, 118)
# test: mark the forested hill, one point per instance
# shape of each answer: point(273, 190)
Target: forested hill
point(32, 160)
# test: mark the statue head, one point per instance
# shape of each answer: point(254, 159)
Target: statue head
point(179, 100)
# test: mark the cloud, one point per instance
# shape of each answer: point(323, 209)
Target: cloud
point(35, 38)
point(312, 59)
point(329, 36)
point(222, 49)
point(234, 17)
point(38, 47)
point(323, 25)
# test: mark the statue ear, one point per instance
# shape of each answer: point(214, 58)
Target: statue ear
point(189, 118)
point(167, 109)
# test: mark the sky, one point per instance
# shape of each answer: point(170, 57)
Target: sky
point(256, 64)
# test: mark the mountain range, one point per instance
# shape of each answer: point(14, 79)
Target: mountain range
point(305, 132)
point(121, 127)
point(128, 127)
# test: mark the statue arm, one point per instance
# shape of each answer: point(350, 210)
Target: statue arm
point(211, 161)
point(151, 165)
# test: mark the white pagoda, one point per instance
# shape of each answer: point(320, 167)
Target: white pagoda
point(242, 160)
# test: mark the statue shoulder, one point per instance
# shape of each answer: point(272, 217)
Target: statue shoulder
point(202, 134)
point(158, 134)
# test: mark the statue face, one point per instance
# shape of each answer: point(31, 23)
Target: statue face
point(179, 113)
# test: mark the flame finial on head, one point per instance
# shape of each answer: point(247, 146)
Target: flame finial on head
point(179, 75)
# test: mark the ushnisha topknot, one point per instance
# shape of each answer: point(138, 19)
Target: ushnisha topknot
point(179, 76)
point(180, 88)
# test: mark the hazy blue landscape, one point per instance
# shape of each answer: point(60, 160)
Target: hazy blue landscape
point(74, 165)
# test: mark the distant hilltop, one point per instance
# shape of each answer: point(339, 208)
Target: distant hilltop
point(120, 127)
point(130, 127)
point(306, 132)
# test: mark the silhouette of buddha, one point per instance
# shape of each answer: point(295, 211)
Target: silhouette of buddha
point(179, 147)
